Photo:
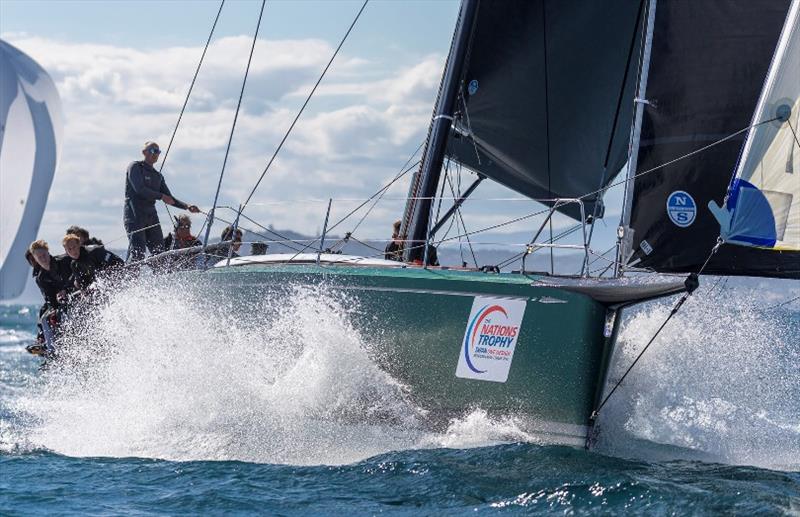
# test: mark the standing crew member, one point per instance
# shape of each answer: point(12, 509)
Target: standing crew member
point(144, 185)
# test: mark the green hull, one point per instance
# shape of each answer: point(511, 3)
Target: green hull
point(419, 317)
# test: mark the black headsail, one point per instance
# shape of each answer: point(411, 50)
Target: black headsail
point(707, 67)
point(541, 102)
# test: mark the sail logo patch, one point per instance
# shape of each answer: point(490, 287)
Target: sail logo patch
point(472, 87)
point(490, 339)
point(681, 208)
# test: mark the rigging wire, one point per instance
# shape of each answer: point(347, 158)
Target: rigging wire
point(680, 158)
point(186, 100)
point(303, 107)
point(794, 133)
point(233, 125)
point(191, 86)
point(380, 191)
point(778, 305)
point(463, 225)
point(691, 284)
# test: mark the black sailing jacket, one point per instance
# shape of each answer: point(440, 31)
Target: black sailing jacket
point(57, 279)
point(144, 185)
point(90, 262)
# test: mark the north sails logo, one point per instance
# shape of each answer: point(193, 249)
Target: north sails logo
point(488, 338)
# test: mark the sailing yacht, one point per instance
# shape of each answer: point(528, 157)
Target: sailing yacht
point(552, 99)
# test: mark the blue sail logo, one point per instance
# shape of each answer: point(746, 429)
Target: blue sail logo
point(681, 208)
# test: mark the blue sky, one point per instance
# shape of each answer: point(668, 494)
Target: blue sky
point(122, 69)
point(155, 24)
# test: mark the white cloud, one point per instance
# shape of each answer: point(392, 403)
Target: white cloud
point(115, 98)
point(356, 133)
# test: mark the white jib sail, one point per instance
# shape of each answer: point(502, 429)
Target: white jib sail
point(30, 136)
point(763, 206)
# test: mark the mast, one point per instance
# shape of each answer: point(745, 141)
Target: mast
point(624, 231)
point(416, 219)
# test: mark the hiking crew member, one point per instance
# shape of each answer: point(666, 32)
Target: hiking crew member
point(144, 185)
point(259, 248)
point(87, 263)
point(182, 239)
point(83, 233)
point(52, 275)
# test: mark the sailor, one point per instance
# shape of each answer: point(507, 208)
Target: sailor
point(433, 257)
point(228, 235)
point(38, 347)
point(259, 248)
point(32, 262)
point(394, 250)
point(183, 237)
point(144, 185)
point(53, 275)
point(86, 240)
point(87, 263)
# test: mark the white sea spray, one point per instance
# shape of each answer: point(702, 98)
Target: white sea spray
point(185, 372)
point(720, 382)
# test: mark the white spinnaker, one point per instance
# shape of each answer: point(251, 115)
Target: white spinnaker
point(771, 156)
point(30, 135)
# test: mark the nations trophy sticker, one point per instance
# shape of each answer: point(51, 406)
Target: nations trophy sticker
point(490, 338)
point(681, 208)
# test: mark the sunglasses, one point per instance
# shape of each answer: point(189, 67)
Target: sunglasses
point(184, 226)
point(154, 150)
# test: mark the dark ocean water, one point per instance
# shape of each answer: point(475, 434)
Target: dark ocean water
point(709, 423)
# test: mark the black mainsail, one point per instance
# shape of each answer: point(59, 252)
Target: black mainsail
point(547, 95)
point(708, 64)
point(537, 96)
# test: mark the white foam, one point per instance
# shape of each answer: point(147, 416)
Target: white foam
point(721, 380)
point(11, 337)
point(190, 376)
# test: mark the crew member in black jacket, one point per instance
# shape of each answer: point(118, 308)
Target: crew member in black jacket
point(144, 185)
point(87, 262)
point(53, 275)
